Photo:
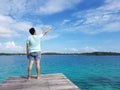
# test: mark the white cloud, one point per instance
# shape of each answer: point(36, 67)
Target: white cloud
point(48, 37)
point(53, 6)
point(111, 5)
point(89, 49)
point(105, 18)
point(9, 27)
point(78, 22)
point(22, 26)
point(82, 49)
point(11, 47)
point(112, 27)
point(98, 49)
point(18, 8)
point(13, 7)
point(6, 32)
point(65, 21)
point(72, 50)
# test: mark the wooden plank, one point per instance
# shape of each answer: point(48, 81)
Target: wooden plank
point(46, 82)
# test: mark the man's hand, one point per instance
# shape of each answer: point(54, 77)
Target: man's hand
point(47, 30)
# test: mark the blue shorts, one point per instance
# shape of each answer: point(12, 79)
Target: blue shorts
point(34, 56)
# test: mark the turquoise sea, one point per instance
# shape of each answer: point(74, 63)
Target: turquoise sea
point(87, 72)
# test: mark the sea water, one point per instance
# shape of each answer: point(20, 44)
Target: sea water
point(87, 72)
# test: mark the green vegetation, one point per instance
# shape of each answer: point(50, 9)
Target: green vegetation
point(9, 54)
point(102, 53)
point(92, 53)
point(54, 53)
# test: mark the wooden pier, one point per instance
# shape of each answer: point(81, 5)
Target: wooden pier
point(46, 82)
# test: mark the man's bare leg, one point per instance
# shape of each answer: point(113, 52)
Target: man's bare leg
point(30, 68)
point(38, 68)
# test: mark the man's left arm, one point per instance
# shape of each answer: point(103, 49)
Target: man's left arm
point(27, 49)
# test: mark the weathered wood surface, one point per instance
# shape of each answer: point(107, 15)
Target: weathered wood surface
point(46, 82)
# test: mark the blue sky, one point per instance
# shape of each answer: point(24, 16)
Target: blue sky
point(78, 25)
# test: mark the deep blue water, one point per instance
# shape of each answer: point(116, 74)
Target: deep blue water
point(87, 72)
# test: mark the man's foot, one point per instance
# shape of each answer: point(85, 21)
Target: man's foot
point(29, 77)
point(38, 77)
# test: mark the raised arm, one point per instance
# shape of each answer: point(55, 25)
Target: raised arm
point(46, 31)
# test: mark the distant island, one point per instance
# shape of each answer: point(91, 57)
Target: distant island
point(54, 53)
point(91, 53)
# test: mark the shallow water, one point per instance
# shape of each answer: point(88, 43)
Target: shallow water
point(87, 72)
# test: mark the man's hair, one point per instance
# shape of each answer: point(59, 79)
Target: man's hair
point(32, 31)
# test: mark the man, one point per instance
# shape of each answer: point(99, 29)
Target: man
point(33, 50)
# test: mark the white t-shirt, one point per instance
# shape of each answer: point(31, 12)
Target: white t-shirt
point(34, 43)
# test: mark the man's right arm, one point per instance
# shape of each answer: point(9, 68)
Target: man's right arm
point(46, 31)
